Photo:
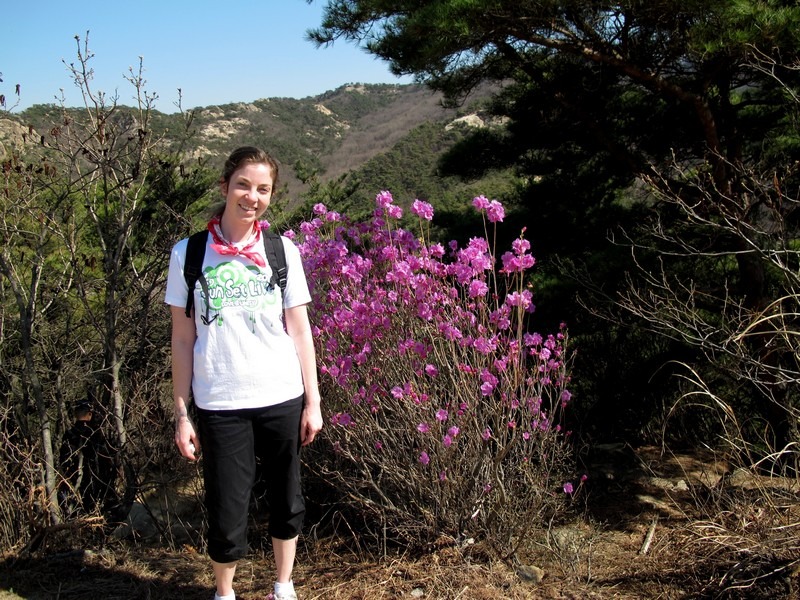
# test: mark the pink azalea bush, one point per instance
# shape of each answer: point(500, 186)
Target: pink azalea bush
point(443, 407)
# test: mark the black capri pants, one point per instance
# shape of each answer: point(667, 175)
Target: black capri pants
point(232, 442)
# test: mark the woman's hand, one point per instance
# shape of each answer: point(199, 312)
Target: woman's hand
point(310, 423)
point(186, 439)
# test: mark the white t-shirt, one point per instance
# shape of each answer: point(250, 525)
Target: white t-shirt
point(243, 358)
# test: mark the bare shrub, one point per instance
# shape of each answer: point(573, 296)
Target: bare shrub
point(23, 500)
point(88, 216)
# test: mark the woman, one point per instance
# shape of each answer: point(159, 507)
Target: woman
point(251, 370)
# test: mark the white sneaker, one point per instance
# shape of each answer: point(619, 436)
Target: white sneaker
point(282, 596)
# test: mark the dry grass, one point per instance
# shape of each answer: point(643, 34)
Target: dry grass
point(329, 573)
point(707, 542)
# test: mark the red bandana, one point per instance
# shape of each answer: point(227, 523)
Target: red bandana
point(224, 247)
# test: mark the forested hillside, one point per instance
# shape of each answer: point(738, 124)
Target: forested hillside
point(321, 138)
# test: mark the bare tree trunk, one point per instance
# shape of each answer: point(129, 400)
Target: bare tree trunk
point(118, 402)
point(26, 308)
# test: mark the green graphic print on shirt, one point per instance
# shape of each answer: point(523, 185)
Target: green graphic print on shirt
point(234, 285)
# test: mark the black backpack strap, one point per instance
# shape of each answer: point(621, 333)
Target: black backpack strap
point(193, 265)
point(196, 250)
point(276, 256)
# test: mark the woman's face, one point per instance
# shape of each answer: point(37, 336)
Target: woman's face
point(248, 192)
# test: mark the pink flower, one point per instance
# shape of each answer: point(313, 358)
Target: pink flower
point(477, 288)
point(485, 345)
point(307, 228)
point(424, 458)
point(397, 392)
point(495, 212)
point(447, 441)
point(423, 428)
point(436, 251)
point(342, 419)
point(442, 475)
point(480, 202)
point(384, 199)
point(520, 245)
point(568, 488)
point(487, 434)
point(394, 211)
point(519, 299)
point(431, 370)
point(319, 208)
point(441, 414)
point(422, 210)
point(489, 382)
point(532, 339)
point(516, 264)
point(453, 431)
point(424, 311)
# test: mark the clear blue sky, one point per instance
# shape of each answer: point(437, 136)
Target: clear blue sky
point(216, 52)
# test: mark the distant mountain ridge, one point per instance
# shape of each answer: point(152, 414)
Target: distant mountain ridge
point(323, 137)
point(330, 134)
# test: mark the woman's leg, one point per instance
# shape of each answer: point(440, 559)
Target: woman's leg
point(228, 472)
point(278, 440)
point(223, 575)
point(285, 551)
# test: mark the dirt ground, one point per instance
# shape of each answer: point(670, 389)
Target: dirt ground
point(648, 526)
